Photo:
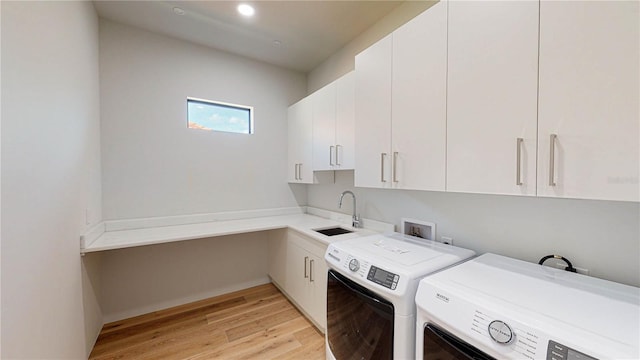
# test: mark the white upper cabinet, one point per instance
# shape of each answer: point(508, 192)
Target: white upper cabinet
point(492, 97)
point(589, 100)
point(401, 106)
point(300, 136)
point(373, 115)
point(333, 125)
point(345, 122)
point(324, 127)
point(418, 102)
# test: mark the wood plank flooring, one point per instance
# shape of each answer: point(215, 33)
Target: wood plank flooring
point(256, 323)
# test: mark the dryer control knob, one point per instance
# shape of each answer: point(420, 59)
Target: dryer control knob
point(354, 265)
point(500, 332)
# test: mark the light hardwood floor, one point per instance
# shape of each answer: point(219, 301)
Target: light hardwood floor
point(256, 323)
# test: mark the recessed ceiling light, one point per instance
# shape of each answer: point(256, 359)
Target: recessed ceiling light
point(178, 11)
point(246, 10)
point(277, 43)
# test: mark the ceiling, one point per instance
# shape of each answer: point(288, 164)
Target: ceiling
point(297, 35)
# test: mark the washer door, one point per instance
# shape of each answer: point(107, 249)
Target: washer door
point(439, 344)
point(359, 323)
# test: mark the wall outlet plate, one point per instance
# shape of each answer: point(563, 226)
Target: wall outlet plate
point(447, 240)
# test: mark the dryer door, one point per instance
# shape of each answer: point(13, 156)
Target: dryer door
point(359, 323)
point(439, 344)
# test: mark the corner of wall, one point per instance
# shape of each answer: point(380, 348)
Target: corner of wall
point(342, 61)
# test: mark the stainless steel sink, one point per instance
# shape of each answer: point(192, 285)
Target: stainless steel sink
point(333, 231)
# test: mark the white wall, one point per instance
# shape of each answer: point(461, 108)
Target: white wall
point(148, 278)
point(50, 176)
point(343, 60)
point(152, 164)
point(0, 181)
point(601, 236)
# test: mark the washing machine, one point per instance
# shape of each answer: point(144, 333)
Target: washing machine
point(371, 287)
point(495, 307)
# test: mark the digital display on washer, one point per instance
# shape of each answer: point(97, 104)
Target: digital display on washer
point(383, 277)
point(557, 351)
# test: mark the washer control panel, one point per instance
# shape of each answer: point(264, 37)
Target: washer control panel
point(557, 351)
point(500, 332)
point(362, 269)
point(514, 337)
point(383, 277)
point(354, 265)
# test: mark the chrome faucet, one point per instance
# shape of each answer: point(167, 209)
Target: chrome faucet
point(355, 219)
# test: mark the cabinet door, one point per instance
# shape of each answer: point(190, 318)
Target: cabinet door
point(298, 260)
point(419, 101)
point(293, 142)
point(345, 122)
point(300, 136)
point(589, 56)
point(373, 115)
point(324, 127)
point(307, 276)
point(492, 96)
point(318, 290)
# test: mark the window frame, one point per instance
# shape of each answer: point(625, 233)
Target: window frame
point(226, 105)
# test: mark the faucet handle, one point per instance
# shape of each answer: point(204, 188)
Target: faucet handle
point(355, 221)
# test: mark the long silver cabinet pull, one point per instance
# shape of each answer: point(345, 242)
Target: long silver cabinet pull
point(519, 161)
point(300, 171)
point(382, 155)
point(311, 271)
point(306, 275)
point(331, 155)
point(297, 171)
point(552, 159)
point(395, 167)
point(337, 155)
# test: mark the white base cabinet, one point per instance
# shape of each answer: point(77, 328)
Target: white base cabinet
point(297, 267)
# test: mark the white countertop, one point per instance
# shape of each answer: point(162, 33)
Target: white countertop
point(303, 223)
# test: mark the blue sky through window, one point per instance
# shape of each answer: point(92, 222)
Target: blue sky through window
point(220, 117)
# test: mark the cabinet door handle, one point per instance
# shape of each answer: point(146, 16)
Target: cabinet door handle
point(519, 161)
point(300, 171)
point(552, 159)
point(331, 155)
point(311, 271)
point(395, 167)
point(306, 275)
point(338, 156)
point(297, 172)
point(382, 155)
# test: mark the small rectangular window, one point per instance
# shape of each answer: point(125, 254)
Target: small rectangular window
point(218, 116)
